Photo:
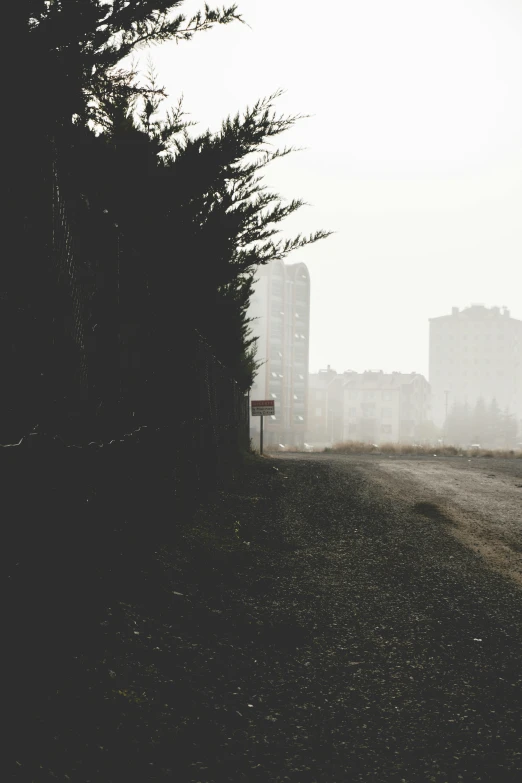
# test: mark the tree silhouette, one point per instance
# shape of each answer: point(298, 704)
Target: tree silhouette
point(170, 227)
point(76, 47)
point(196, 222)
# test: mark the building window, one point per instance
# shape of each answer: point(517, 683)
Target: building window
point(369, 395)
point(386, 395)
point(318, 411)
point(352, 412)
point(386, 429)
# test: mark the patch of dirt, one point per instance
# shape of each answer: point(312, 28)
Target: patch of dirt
point(432, 511)
point(482, 509)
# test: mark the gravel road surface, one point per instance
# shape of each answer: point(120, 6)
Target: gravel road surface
point(480, 499)
point(360, 621)
point(407, 665)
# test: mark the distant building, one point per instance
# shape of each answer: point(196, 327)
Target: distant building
point(475, 353)
point(383, 407)
point(280, 307)
point(323, 425)
point(372, 406)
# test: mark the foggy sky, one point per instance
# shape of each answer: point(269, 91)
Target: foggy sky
point(414, 155)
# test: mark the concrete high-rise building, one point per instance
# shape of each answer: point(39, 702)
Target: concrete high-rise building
point(474, 353)
point(280, 307)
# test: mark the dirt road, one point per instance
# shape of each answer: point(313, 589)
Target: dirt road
point(325, 619)
point(414, 567)
point(479, 499)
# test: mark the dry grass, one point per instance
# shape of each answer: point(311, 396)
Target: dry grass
point(292, 449)
point(359, 447)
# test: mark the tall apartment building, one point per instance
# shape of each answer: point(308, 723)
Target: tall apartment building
point(385, 407)
point(475, 352)
point(280, 307)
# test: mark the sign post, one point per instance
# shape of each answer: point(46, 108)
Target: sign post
point(262, 408)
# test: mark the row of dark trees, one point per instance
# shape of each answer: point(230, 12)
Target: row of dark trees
point(482, 424)
point(188, 216)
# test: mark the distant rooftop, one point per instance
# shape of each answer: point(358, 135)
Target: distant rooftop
point(477, 310)
point(379, 378)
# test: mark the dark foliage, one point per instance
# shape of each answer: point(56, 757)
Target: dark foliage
point(168, 228)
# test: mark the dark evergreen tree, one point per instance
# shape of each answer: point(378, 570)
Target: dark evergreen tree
point(176, 224)
point(230, 220)
point(76, 46)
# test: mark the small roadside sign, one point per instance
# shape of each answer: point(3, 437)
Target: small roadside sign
point(263, 407)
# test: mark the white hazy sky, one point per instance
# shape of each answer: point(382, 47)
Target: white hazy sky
point(413, 155)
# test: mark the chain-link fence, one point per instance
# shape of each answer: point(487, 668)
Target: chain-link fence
point(72, 362)
point(71, 283)
point(106, 445)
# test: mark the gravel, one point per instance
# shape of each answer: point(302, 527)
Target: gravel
point(308, 624)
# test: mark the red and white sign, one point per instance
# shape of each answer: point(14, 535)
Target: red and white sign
point(263, 407)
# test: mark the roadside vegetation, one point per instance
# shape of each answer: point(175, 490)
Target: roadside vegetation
point(360, 447)
point(170, 223)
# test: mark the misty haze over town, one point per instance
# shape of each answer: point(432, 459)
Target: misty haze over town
point(424, 199)
point(261, 399)
point(472, 399)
